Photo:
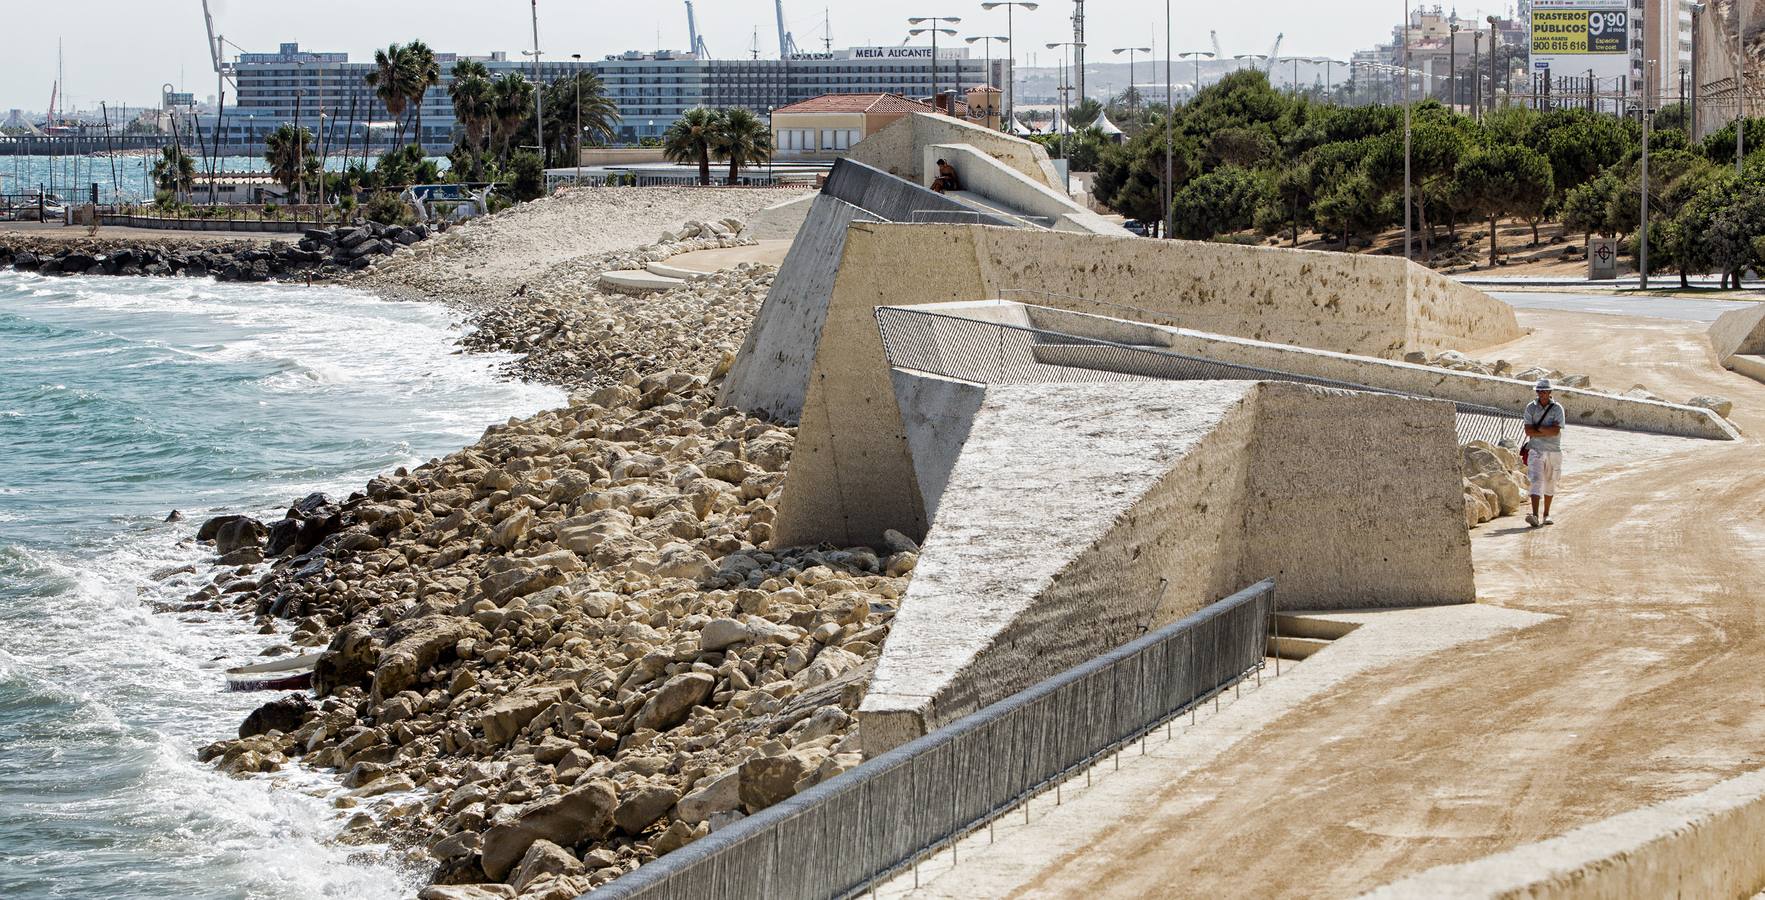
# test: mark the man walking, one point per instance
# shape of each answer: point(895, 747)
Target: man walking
point(1544, 419)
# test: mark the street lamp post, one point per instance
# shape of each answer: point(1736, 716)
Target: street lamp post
point(934, 28)
point(1492, 58)
point(577, 74)
point(1170, 113)
point(988, 88)
point(1740, 98)
point(1329, 92)
point(1197, 55)
point(1130, 51)
point(1406, 129)
point(1642, 232)
point(1010, 36)
point(1066, 102)
point(1476, 76)
point(1452, 67)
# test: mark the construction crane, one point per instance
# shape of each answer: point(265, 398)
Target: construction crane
point(223, 70)
point(697, 45)
point(787, 45)
point(1274, 50)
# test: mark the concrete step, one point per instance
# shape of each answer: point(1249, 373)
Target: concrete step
point(1751, 366)
point(638, 281)
point(1303, 626)
point(1294, 648)
point(667, 271)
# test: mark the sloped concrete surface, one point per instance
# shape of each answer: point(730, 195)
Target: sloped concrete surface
point(1739, 331)
point(899, 148)
point(1078, 515)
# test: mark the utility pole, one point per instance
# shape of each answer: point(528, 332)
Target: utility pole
point(1452, 67)
point(576, 73)
point(1078, 47)
point(1642, 263)
point(538, 95)
point(1476, 76)
point(1494, 80)
point(1406, 129)
point(1170, 218)
point(1740, 94)
point(1691, 128)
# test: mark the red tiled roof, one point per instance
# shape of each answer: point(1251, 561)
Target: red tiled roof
point(855, 103)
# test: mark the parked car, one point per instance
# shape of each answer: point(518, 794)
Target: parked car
point(1138, 227)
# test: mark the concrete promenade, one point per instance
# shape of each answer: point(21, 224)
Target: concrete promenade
point(1636, 685)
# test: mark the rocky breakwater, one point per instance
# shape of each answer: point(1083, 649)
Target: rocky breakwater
point(564, 650)
point(321, 253)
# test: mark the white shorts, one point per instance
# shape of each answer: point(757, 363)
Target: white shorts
point(1542, 469)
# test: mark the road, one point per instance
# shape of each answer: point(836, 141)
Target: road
point(1611, 304)
point(1644, 686)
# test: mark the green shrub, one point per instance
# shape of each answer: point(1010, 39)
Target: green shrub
point(386, 208)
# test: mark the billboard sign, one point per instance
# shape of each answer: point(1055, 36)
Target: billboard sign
point(1572, 37)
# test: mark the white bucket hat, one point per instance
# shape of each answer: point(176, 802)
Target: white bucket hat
point(1544, 384)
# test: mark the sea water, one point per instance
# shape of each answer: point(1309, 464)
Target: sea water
point(122, 399)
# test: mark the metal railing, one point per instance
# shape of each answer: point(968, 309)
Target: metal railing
point(840, 836)
point(1001, 353)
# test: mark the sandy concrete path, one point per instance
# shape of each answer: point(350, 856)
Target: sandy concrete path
point(1647, 685)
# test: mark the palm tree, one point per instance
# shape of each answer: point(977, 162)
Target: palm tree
point(692, 138)
point(511, 99)
point(741, 138)
point(598, 114)
point(174, 171)
point(283, 151)
point(390, 80)
point(474, 102)
point(424, 73)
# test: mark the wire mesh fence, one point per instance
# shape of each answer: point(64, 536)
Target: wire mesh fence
point(840, 836)
point(1000, 353)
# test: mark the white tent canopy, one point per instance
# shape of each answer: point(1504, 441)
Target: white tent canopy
point(1020, 129)
point(1107, 127)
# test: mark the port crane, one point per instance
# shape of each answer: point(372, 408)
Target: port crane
point(223, 70)
point(697, 47)
point(787, 45)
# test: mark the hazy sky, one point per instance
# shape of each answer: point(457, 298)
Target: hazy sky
point(122, 50)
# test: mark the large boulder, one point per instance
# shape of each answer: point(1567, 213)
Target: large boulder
point(348, 661)
point(284, 715)
point(669, 706)
point(766, 780)
point(417, 646)
point(541, 859)
point(505, 718)
point(238, 534)
point(583, 814)
point(642, 806)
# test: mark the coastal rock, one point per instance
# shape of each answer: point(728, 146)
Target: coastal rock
point(284, 715)
point(541, 859)
point(467, 892)
point(422, 644)
point(585, 813)
point(642, 806)
point(348, 661)
point(1722, 406)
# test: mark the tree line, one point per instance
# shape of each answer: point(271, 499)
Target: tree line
point(1246, 159)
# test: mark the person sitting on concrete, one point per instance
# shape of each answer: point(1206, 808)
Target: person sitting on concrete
point(946, 180)
point(1544, 419)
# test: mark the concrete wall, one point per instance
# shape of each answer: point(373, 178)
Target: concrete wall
point(772, 367)
point(1585, 408)
point(938, 414)
point(851, 474)
point(1709, 844)
point(771, 373)
point(1740, 330)
point(1751, 366)
point(899, 148)
point(1078, 515)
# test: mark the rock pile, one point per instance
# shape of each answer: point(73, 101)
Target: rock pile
point(321, 253)
point(1495, 482)
point(561, 652)
point(1459, 362)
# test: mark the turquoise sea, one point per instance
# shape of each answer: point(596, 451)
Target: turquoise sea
point(120, 400)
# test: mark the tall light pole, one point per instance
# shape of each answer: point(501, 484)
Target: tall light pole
point(1476, 76)
point(934, 28)
point(1642, 258)
point(1406, 129)
point(989, 87)
point(538, 93)
point(1130, 51)
point(1244, 56)
point(1170, 114)
point(1328, 62)
point(577, 75)
point(1493, 79)
point(1198, 56)
point(1452, 67)
point(1067, 47)
point(1691, 128)
point(1740, 96)
point(1010, 36)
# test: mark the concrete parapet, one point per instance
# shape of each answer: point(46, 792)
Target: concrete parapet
point(1709, 844)
point(1076, 516)
point(851, 473)
point(1751, 366)
point(1002, 185)
point(1378, 306)
point(1586, 408)
point(780, 221)
point(899, 148)
point(1739, 331)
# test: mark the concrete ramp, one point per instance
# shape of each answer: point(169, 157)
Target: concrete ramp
point(1739, 332)
point(899, 149)
point(1077, 516)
